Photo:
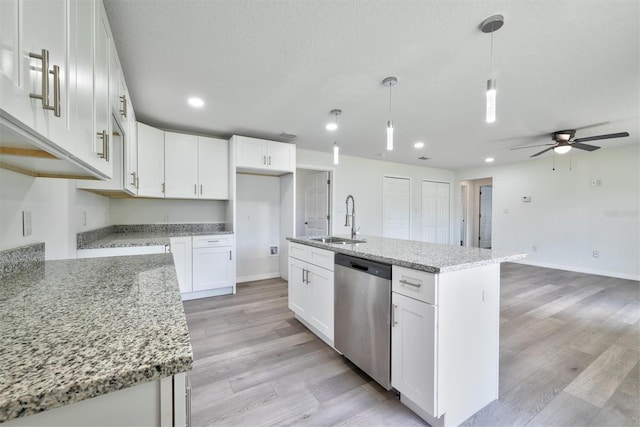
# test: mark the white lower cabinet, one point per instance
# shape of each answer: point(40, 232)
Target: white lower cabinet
point(413, 350)
point(445, 341)
point(205, 265)
point(311, 288)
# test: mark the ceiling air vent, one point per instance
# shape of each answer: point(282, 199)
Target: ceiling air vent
point(424, 158)
point(288, 135)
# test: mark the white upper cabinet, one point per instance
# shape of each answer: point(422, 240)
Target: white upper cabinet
point(261, 154)
point(181, 165)
point(213, 168)
point(102, 116)
point(150, 177)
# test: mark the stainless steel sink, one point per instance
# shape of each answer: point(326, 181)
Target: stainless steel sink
point(333, 239)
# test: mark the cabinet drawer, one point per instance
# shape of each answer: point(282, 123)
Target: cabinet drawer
point(212, 241)
point(316, 256)
point(415, 284)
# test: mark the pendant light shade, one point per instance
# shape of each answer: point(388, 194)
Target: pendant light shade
point(336, 153)
point(491, 25)
point(336, 148)
point(390, 82)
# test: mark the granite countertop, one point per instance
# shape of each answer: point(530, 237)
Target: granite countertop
point(75, 329)
point(122, 236)
point(138, 238)
point(430, 257)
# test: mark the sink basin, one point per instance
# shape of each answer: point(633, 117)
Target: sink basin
point(341, 240)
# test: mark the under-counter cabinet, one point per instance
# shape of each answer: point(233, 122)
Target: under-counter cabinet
point(311, 288)
point(254, 153)
point(444, 341)
point(205, 265)
point(150, 177)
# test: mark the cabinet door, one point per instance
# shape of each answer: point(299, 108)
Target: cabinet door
point(212, 268)
point(181, 165)
point(413, 351)
point(102, 115)
point(182, 258)
point(298, 289)
point(131, 153)
point(213, 168)
point(321, 299)
point(15, 97)
point(44, 26)
point(251, 152)
point(281, 156)
point(150, 161)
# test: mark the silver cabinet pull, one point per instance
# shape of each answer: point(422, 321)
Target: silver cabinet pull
point(106, 150)
point(56, 92)
point(44, 58)
point(393, 315)
point(213, 241)
point(123, 110)
point(103, 136)
point(137, 183)
point(269, 160)
point(264, 160)
point(188, 400)
point(195, 189)
point(200, 188)
point(229, 255)
point(133, 180)
point(415, 285)
point(163, 187)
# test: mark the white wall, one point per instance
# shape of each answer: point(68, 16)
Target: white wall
point(362, 178)
point(155, 211)
point(257, 226)
point(56, 213)
point(568, 218)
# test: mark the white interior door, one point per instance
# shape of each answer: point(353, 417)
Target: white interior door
point(396, 209)
point(486, 195)
point(316, 204)
point(435, 212)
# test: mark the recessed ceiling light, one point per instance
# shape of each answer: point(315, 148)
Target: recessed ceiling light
point(195, 102)
point(419, 144)
point(489, 159)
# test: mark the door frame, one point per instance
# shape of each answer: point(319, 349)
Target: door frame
point(330, 196)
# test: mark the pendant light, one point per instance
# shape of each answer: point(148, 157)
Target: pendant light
point(390, 82)
point(336, 148)
point(491, 25)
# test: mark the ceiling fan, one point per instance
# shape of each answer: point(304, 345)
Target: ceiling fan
point(564, 142)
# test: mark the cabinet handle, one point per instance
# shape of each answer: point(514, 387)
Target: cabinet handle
point(137, 183)
point(269, 160)
point(200, 188)
point(264, 160)
point(56, 92)
point(415, 285)
point(195, 189)
point(103, 136)
point(393, 315)
point(133, 180)
point(188, 400)
point(123, 110)
point(163, 187)
point(44, 58)
point(106, 151)
point(230, 256)
point(213, 241)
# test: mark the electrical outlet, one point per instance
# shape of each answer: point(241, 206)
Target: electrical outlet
point(273, 251)
point(596, 254)
point(84, 218)
point(26, 223)
point(596, 182)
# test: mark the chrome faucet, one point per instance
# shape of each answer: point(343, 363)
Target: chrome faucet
point(352, 216)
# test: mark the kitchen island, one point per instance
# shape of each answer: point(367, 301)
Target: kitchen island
point(94, 341)
point(443, 320)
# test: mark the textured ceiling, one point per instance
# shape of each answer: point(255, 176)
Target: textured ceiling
point(264, 67)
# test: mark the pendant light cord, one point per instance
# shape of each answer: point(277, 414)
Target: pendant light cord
point(491, 66)
point(390, 103)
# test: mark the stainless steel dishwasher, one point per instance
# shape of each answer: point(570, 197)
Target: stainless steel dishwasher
point(362, 302)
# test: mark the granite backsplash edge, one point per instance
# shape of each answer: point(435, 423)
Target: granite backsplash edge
point(21, 258)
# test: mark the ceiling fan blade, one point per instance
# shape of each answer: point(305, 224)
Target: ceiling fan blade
point(592, 125)
point(607, 136)
point(531, 146)
point(543, 151)
point(584, 146)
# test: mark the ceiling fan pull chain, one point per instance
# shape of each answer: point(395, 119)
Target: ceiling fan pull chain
point(554, 161)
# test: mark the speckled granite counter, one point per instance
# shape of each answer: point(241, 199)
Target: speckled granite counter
point(75, 329)
point(430, 257)
point(122, 236)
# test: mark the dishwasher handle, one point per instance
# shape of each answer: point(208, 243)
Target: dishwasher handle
point(357, 266)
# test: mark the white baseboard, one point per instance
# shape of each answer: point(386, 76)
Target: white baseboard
point(242, 279)
point(186, 296)
point(580, 269)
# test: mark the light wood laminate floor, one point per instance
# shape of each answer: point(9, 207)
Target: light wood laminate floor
point(569, 356)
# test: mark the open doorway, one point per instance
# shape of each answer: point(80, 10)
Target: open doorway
point(313, 202)
point(477, 207)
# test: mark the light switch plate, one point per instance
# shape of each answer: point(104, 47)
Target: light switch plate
point(26, 223)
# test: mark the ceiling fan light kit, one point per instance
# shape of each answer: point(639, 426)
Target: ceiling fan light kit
point(390, 82)
point(491, 25)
